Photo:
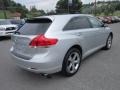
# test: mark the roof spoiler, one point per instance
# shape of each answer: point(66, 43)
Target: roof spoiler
point(39, 20)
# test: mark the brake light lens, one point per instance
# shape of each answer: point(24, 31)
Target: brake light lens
point(41, 40)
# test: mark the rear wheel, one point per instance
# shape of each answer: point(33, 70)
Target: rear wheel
point(71, 62)
point(1, 38)
point(108, 43)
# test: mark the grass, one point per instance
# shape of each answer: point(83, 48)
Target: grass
point(2, 14)
point(117, 13)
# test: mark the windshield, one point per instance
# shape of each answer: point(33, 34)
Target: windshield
point(35, 27)
point(5, 22)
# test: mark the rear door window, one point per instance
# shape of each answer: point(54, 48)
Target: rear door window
point(77, 23)
point(95, 22)
point(35, 26)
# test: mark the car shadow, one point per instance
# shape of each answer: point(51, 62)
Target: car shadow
point(88, 58)
point(37, 76)
point(5, 38)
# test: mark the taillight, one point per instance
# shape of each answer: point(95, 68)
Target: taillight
point(41, 40)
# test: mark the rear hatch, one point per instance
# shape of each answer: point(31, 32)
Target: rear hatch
point(22, 38)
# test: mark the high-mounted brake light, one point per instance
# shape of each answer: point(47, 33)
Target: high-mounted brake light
point(41, 40)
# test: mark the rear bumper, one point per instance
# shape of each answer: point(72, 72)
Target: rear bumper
point(43, 65)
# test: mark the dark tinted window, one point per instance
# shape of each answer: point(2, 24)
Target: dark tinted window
point(95, 22)
point(78, 23)
point(35, 27)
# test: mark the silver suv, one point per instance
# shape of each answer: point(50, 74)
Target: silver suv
point(50, 44)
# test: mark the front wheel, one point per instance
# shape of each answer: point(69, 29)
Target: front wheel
point(71, 62)
point(108, 43)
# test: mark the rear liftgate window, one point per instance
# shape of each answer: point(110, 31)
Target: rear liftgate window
point(35, 26)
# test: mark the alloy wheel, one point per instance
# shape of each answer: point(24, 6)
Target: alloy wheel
point(73, 62)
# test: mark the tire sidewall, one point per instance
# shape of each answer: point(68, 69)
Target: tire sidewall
point(107, 42)
point(64, 66)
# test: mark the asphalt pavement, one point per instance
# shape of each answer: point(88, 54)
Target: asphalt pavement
point(100, 71)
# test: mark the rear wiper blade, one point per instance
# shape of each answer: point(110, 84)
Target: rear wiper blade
point(17, 32)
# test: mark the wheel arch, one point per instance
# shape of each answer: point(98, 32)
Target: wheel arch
point(111, 34)
point(78, 47)
point(63, 64)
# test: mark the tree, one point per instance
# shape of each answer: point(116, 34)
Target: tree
point(62, 6)
point(3, 6)
point(33, 9)
point(6, 3)
point(52, 12)
point(103, 7)
point(13, 7)
point(34, 12)
point(42, 12)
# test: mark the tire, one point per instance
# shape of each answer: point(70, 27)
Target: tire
point(71, 62)
point(1, 38)
point(108, 43)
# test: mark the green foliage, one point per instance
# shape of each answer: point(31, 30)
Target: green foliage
point(13, 7)
point(117, 13)
point(2, 14)
point(103, 7)
point(4, 4)
point(35, 13)
point(16, 7)
point(62, 6)
point(52, 12)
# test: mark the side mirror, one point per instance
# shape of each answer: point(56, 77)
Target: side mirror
point(104, 25)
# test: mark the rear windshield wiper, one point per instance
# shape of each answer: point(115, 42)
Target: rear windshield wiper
point(17, 32)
